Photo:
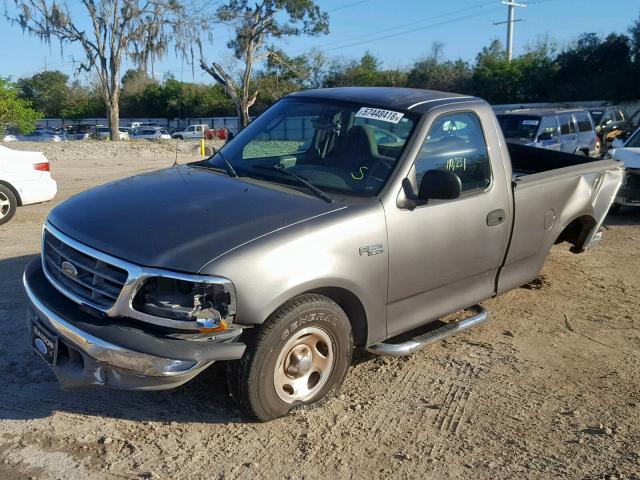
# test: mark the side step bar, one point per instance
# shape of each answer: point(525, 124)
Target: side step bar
point(421, 341)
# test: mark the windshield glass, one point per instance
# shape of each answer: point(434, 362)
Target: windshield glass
point(519, 126)
point(336, 146)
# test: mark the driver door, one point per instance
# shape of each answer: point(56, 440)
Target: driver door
point(445, 254)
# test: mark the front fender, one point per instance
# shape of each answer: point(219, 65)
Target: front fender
point(320, 253)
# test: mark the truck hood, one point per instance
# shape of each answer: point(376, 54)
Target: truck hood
point(629, 156)
point(180, 218)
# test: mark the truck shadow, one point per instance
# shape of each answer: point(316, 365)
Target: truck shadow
point(29, 390)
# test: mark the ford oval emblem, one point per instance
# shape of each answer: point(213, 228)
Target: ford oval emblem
point(69, 269)
point(42, 348)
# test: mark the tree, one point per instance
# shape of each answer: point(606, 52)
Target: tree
point(15, 113)
point(119, 28)
point(431, 73)
point(48, 92)
point(255, 25)
point(366, 72)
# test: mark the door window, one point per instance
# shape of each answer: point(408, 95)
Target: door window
point(548, 126)
point(566, 125)
point(456, 143)
point(584, 124)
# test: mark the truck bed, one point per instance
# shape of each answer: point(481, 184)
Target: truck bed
point(529, 160)
point(556, 197)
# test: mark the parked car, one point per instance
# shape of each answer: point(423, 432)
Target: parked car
point(281, 259)
point(77, 132)
point(629, 154)
point(192, 131)
point(104, 133)
point(25, 178)
point(570, 131)
point(40, 136)
point(151, 134)
point(9, 137)
point(610, 122)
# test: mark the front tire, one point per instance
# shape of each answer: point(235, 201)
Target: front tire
point(297, 359)
point(8, 204)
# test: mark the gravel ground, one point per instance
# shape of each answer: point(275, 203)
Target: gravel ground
point(548, 388)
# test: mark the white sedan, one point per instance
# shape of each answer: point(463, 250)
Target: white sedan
point(151, 134)
point(25, 178)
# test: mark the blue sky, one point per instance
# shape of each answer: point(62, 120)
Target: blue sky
point(397, 31)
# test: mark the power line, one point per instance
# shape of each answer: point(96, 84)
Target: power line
point(403, 25)
point(406, 32)
point(342, 7)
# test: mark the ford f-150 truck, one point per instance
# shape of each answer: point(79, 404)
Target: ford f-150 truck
point(339, 218)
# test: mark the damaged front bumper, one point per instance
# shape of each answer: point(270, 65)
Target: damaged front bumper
point(117, 352)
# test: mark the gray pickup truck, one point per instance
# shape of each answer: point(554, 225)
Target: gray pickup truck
point(339, 218)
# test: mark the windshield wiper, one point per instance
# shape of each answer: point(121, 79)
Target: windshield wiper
point(227, 166)
point(303, 181)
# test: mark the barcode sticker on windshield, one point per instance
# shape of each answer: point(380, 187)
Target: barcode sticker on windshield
point(531, 122)
point(379, 114)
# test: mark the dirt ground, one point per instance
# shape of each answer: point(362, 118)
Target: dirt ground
point(548, 388)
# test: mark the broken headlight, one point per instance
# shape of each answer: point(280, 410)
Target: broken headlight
point(210, 306)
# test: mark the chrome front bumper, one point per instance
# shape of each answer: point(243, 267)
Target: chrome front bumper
point(88, 356)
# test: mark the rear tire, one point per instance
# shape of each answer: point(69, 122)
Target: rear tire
point(296, 360)
point(8, 204)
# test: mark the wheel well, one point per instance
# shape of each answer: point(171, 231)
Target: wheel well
point(352, 306)
point(577, 231)
point(15, 192)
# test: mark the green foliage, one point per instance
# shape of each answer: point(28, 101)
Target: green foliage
point(47, 91)
point(175, 99)
point(365, 72)
point(450, 76)
point(592, 68)
point(15, 113)
point(595, 66)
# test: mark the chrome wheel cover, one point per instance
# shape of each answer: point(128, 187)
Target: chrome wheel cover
point(5, 205)
point(304, 365)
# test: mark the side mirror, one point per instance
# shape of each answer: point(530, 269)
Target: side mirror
point(440, 185)
point(617, 143)
point(435, 185)
point(544, 136)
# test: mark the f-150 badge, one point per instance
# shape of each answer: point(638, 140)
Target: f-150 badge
point(375, 249)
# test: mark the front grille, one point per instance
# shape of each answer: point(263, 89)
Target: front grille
point(96, 282)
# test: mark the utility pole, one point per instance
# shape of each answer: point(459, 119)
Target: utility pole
point(510, 21)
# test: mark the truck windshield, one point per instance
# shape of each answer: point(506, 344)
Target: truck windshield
point(336, 146)
point(519, 126)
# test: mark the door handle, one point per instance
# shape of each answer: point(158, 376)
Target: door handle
point(496, 217)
